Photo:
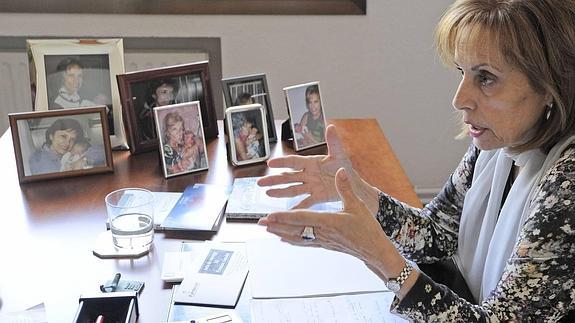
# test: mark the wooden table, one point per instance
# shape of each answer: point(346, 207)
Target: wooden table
point(49, 228)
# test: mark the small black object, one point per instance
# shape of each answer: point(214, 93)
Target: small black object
point(287, 134)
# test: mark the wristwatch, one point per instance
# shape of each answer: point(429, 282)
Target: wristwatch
point(394, 284)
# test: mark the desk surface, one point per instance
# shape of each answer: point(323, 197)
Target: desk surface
point(49, 227)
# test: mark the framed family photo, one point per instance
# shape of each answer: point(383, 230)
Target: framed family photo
point(307, 118)
point(251, 89)
point(76, 73)
point(142, 91)
point(248, 138)
point(61, 143)
point(181, 138)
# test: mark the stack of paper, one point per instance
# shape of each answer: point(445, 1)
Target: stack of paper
point(200, 208)
point(280, 270)
point(215, 276)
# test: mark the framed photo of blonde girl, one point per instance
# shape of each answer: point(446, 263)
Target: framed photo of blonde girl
point(307, 118)
point(181, 138)
point(248, 138)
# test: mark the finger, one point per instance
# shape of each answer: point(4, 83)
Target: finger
point(286, 230)
point(345, 190)
point(289, 191)
point(283, 178)
point(302, 218)
point(334, 146)
point(305, 203)
point(291, 161)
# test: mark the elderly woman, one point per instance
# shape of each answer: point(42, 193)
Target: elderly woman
point(506, 214)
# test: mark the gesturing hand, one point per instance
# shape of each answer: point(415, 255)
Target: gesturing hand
point(353, 230)
point(313, 175)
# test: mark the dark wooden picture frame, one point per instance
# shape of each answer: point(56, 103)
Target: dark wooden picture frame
point(312, 133)
point(255, 148)
point(250, 89)
point(47, 144)
point(189, 82)
point(181, 144)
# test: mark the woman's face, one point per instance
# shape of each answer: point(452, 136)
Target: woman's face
point(498, 104)
point(63, 140)
point(175, 131)
point(164, 95)
point(314, 104)
point(73, 77)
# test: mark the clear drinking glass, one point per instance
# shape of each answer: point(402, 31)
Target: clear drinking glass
point(131, 217)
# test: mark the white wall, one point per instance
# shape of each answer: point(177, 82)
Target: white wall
point(381, 65)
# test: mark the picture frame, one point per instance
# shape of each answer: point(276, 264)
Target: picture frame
point(312, 133)
point(181, 138)
point(74, 73)
point(186, 83)
point(248, 139)
point(253, 88)
point(61, 143)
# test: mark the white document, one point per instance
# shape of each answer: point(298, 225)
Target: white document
point(358, 308)
point(216, 277)
point(164, 203)
point(175, 265)
point(280, 270)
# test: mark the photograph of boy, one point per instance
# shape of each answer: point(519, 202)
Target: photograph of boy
point(160, 93)
point(79, 81)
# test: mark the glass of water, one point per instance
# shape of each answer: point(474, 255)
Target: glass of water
point(131, 217)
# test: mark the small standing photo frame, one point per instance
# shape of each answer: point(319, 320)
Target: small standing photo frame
point(306, 112)
point(61, 143)
point(142, 91)
point(251, 89)
point(76, 73)
point(248, 138)
point(181, 138)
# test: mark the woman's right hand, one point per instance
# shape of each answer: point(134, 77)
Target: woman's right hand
point(313, 175)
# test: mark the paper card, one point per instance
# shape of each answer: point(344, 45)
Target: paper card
point(216, 277)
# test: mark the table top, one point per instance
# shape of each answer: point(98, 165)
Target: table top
point(50, 227)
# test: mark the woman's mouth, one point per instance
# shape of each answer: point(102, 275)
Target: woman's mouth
point(475, 131)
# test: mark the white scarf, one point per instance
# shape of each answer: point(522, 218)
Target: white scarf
point(486, 236)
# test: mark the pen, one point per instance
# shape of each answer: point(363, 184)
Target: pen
point(115, 281)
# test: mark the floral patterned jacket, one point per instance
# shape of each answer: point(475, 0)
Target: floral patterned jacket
point(538, 284)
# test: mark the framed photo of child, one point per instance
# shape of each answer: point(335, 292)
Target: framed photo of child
point(248, 138)
point(61, 143)
point(142, 91)
point(181, 138)
point(251, 89)
point(77, 73)
point(307, 117)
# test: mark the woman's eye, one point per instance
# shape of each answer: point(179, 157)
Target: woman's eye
point(460, 70)
point(486, 79)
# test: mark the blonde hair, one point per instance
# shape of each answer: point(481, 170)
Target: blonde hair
point(535, 36)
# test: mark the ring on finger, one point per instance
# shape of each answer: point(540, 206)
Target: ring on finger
point(308, 234)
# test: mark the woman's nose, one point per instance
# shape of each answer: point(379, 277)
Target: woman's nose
point(464, 96)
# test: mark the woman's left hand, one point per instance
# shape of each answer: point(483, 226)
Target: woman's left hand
point(354, 230)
